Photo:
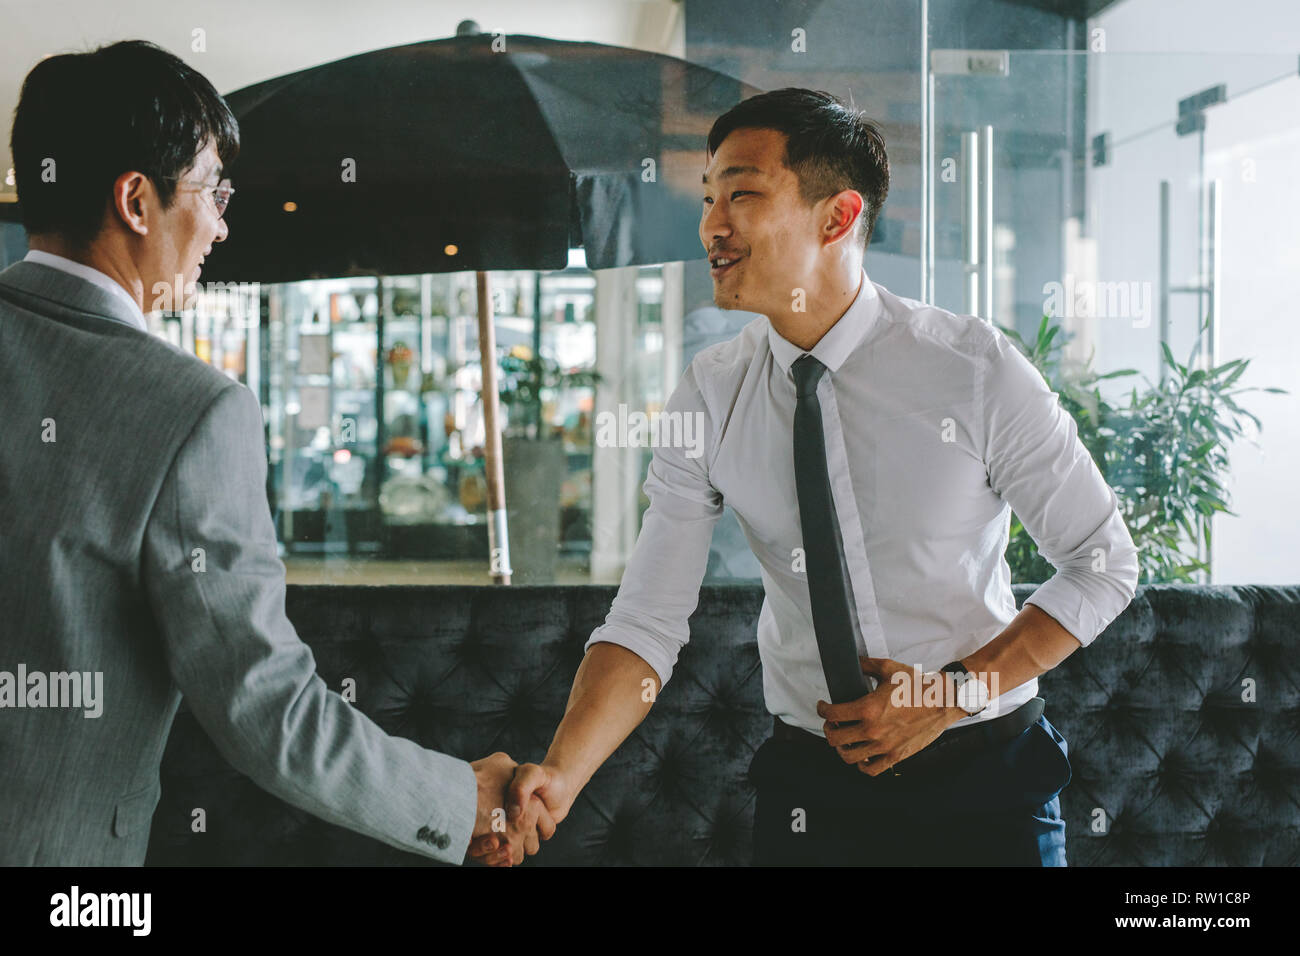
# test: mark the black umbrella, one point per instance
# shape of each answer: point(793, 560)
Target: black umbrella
point(470, 153)
point(476, 152)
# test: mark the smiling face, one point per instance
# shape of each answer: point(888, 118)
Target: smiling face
point(187, 229)
point(762, 238)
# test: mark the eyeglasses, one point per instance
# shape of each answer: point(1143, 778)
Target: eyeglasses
point(221, 192)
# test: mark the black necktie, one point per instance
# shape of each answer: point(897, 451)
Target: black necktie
point(828, 581)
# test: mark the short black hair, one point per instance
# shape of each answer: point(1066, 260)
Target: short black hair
point(130, 106)
point(829, 146)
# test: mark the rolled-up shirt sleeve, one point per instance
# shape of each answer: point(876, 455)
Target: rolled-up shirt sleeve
point(1038, 465)
point(660, 588)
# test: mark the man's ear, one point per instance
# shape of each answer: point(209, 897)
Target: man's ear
point(843, 210)
point(134, 201)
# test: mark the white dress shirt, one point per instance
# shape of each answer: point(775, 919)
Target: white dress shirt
point(936, 427)
point(90, 275)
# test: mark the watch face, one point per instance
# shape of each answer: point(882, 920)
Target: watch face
point(972, 696)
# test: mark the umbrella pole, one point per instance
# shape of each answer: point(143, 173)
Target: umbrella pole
point(498, 535)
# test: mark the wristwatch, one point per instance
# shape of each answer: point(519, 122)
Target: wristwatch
point(972, 693)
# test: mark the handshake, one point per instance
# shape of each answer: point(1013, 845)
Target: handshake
point(518, 807)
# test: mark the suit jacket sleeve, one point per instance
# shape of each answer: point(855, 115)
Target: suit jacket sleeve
point(250, 680)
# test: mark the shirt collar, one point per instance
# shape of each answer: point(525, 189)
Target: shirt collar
point(91, 275)
point(840, 339)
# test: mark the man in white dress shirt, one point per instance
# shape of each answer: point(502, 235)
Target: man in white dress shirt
point(935, 427)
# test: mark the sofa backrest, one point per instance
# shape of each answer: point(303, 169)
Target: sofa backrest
point(1181, 719)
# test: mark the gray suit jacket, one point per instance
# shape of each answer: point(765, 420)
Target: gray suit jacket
point(122, 455)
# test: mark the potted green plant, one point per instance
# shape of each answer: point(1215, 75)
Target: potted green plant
point(1164, 451)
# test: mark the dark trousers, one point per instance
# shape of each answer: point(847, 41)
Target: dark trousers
point(997, 807)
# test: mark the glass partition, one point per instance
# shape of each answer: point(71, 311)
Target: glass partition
point(1140, 201)
point(374, 412)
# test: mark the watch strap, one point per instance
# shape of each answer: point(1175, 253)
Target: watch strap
point(957, 669)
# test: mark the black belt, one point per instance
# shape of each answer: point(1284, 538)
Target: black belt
point(952, 744)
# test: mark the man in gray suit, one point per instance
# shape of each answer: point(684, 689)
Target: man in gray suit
point(138, 560)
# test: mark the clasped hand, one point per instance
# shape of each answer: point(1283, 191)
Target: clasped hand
point(518, 806)
point(883, 727)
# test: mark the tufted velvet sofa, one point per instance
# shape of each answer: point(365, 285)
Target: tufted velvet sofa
point(1171, 765)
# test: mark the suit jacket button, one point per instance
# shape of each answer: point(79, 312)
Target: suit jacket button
point(422, 834)
point(444, 841)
